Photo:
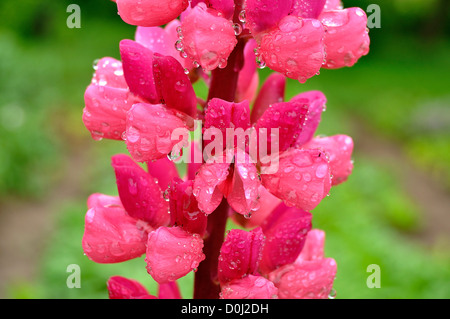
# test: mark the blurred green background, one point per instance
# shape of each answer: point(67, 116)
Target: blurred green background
point(395, 103)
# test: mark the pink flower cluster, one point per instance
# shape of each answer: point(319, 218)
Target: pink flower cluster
point(147, 95)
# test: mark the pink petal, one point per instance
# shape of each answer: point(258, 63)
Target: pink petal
point(207, 37)
point(221, 115)
point(109, 72)
point(112, 236)
point(314, 246)
point(272, 91)
point(346, 37)
point(196, 160)
point(308, 8)
point(316, 101)
point(240, 254)
point(264, 14)
point(172, 253)
point(164, 170)
point(139, 192)
point(302, 180)
point(206, 185)
point(288, 117)
point(101, 200)
point(172, 32)
point(332, 5)
point(308, 280)
point(123, 288)
point(157, 40)
point(169, 290)
point(248, 79)
point(243, 196)
point(339, 149)
point(184, 211)
point(267, 203)
point(138, 70)
point(173, 85)
point(294, 48)
point(285, 232)
point(150, 13)
point(106, 110)
point(149, 131)
point(249, 287)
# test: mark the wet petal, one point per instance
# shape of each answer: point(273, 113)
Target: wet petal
point(139, 192)
point(164, 171)
point(288, 118)
point(240, 254)
point(249, 287)
point(138, 70)
point(149, 131)
point(314, 246)
point(208, 38)
point(264, 14)
point(332, 5)
point(226, 7)
point(172, 253)
point(184, 211)
point(112, 236)
point(150, 13)
point(169, 290)
point(316, 101)
point(308, 280)
point(248, 79)
point(302, 180)
point(272, 91)
point(109, 72)
point(294, 48)
point(102, 200)
point(105, 112)
point(123, 288)
point(285, 232)
point(346, 37)
point(339, 149)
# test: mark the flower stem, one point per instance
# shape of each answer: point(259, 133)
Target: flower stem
point(223, 85)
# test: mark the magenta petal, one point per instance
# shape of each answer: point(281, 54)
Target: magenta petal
point(243, 195)
point(294, 48)
point(139, 192)
point(285, 233)
point(308, 280)
point(249, 287)
point(339, 149)
point(112, 236)
point(248, 79)
point(308, 8)
point(272, 91)
point(346, 37)
point(109, 72)
point(164, 170)
point(173, 85)
point(172, 253)
point(208, 38)
point(138, 70)
point(302, 180)
point(264, 14)
point(196, 159)
point(106, 111)
point(288, 118)
point(150, 13)
point(169, 290)
point(184, 211)
point(314, 246)
point(206, 185)
point(123, 288)
point(316, 101)
point(225, 7)
point(149, 131)
point(157, 40)
point(240, 254)
point(332, 5)
point(221, 115)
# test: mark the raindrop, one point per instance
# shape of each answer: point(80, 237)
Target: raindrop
point(95, 64)
point(242, 17)
point(179, 45)
point(237, 29)
point(332, 294)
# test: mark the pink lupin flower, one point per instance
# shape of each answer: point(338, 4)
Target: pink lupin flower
point(249, 287)
point(240, 254)
point(123, 288)
point(311, 276)
point(172, 253)
point(298, 37)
